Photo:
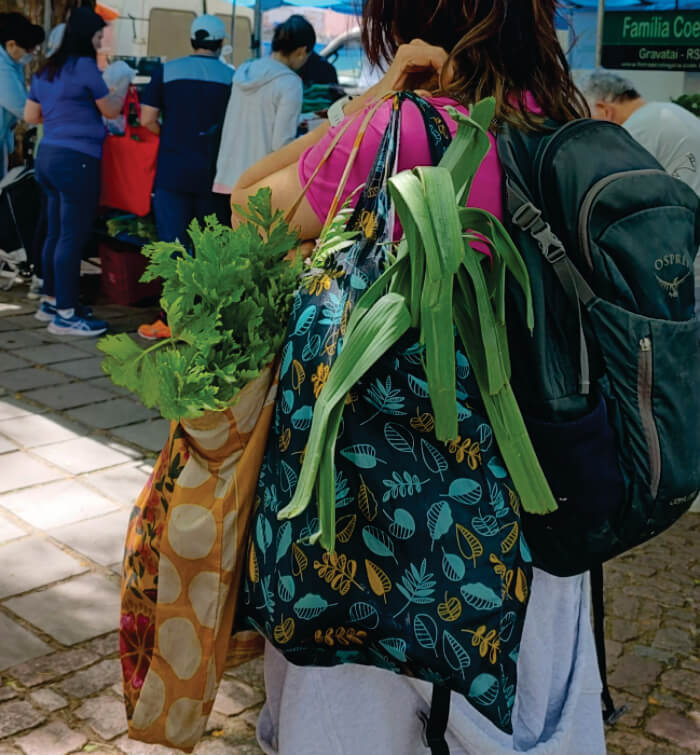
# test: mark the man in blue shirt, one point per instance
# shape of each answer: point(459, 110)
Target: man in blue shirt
point(191, 93)
point(19, 39)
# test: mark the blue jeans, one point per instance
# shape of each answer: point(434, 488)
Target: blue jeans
point(71, 182)
point(175, 211)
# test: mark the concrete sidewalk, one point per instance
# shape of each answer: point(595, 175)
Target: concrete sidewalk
point(75, 452)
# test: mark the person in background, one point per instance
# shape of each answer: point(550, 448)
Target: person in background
point(191, 93)
point(317, 70)
point(19, 39)
point(671, 133)
point(265, 106)
point(70, 97)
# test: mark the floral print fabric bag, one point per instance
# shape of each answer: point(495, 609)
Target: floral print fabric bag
point(183, 561)
point(430, 574)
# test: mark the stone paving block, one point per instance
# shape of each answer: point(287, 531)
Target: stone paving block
point(662, 699)
point(12, 407)
point(234, 697)
point(105, 715)
point(67, 396)
point(30, 378)
point(105, 383)
point(83, 368)
point(55, 504)
point(92, 680)
point(51, 667)
point(49, 353)
point(7, 445)
point(17, 644)
point(7, 693)
point(12, 362)
point(628, 743)
point(34, 431)
point(105, 646)
point(10, 307)
point(18, 339)
point(26, 322)
point(100, 539)
point(30, 563)
point(88, 346)
point(681, 730)
point(121, 484)
point(9, 531)
point(151, 435)
point(644, 651)
point(54, 738)
point(48, 699)
point(251, 673)
point(676, 639)
point(684, 682)
point(73, 611)
point(20, 470)
point(17, 716)
point(115, 413)
point(85, 454)
point(634, 674)
point(132, 747)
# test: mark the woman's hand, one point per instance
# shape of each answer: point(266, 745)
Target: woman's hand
point(417, 59)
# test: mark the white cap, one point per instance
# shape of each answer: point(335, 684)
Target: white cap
point(208, 28)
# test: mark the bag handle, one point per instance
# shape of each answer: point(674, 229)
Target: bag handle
point(351, 161)
point(132, 98)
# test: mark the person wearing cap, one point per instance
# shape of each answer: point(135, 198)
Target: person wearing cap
point(190, 95)
point(70, 97)
point(19, 39)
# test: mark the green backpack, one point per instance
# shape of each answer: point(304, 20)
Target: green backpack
point(609, 382)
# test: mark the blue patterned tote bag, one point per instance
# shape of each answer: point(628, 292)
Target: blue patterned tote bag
point(430, 574)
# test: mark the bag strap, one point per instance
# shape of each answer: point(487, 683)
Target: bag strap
point(132, 98)
point(610, 713)
point(529, 219)
point(436, 722)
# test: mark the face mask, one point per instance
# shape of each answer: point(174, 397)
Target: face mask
point(25, 59)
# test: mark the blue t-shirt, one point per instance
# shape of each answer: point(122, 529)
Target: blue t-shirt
point(192, 94)
point(71, 117)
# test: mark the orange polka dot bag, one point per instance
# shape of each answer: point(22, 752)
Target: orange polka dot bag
point(185, 550)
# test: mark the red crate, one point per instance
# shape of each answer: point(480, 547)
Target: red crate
point(122, 268)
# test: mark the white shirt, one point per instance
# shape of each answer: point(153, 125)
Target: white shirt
point(672, 134)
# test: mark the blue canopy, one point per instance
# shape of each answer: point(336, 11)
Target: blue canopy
point(341, 6)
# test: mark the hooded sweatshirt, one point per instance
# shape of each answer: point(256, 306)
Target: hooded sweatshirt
point(262, 116)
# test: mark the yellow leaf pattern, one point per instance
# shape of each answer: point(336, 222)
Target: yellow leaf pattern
point(378, 580)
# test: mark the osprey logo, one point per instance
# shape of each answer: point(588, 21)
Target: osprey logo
point(673, 260)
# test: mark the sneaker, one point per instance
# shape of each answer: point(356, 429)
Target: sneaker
point(154, 332)
point(46, 312)
point(76, 326)
point(35, 288)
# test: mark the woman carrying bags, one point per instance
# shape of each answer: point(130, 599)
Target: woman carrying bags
point(70, 97)
point(472, 50)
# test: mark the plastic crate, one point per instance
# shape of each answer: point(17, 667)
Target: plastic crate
point(122, 267)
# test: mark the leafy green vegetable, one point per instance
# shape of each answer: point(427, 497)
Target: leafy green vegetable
point(227, 308)
point(144, 228)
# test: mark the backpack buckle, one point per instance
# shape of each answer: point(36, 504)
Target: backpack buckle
point(550, 246)
point(526, 216)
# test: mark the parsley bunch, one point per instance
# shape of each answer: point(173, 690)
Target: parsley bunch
point(227, 309)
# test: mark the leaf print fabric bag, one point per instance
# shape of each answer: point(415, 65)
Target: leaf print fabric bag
point(430, 574)
point(183, 562)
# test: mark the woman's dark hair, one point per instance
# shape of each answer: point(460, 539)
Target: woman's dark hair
point(81, 27)
point(500, 48)
point(213, 45)
point(294, 33)
point(15, 26)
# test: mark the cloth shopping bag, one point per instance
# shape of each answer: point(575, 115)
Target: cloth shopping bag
point(183, 561)
point(129, 165)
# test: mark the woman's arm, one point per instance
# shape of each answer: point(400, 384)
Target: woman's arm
point(149, 118)
point(111, 105)
point(32, 113)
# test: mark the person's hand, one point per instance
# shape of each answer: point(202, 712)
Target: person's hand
point(415, 61)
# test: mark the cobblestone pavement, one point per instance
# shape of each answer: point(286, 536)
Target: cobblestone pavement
point(74, 453)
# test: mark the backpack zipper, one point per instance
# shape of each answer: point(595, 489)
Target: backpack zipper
point(584, 216)
point(645, 375)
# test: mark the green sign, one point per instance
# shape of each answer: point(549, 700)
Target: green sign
point(648, 40)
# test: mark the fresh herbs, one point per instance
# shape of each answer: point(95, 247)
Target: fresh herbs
point(227, 308)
